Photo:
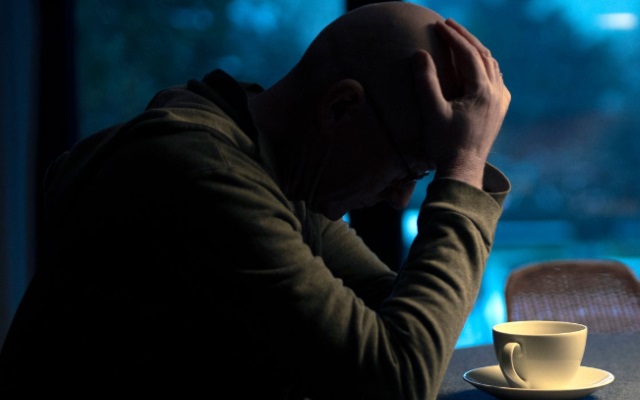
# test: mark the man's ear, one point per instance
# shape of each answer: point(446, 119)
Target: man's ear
point(340, 99)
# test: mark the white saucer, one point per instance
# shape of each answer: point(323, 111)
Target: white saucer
point(490, 380)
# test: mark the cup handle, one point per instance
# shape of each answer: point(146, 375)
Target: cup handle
point(509, 351)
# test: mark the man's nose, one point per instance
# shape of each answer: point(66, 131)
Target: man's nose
point(399, 196)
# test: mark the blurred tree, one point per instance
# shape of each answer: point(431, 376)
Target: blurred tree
point(564, 135)
point(129, 50)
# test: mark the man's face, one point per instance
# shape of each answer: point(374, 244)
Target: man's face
point(374, 169)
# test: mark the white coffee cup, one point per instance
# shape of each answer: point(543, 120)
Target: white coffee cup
point(539, 354)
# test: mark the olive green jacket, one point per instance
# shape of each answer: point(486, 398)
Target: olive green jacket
point(176, 263)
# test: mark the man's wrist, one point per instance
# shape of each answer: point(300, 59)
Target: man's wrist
point(468, 169)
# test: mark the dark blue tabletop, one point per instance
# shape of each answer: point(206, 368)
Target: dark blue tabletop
point(617, 353)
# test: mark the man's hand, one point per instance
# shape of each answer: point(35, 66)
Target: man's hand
point(461, 131)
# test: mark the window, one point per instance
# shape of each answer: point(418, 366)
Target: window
point(569, 143)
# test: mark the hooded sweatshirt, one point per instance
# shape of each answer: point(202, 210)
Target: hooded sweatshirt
point(175, 264)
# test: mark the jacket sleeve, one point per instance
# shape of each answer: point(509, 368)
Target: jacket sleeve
point(401, 347)
point(350, 260)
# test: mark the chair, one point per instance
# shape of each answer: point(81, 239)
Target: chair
point(602, 294)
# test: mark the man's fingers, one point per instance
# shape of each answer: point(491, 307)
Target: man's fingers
point(469, 36)
point(429, 90)
point(471, 65)
point(491, 65)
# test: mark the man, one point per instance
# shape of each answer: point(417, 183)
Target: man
point(200, 247)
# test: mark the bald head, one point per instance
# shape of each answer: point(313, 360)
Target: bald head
point(374, 44)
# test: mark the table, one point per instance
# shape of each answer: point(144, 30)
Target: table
point(617, 353)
